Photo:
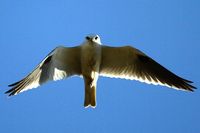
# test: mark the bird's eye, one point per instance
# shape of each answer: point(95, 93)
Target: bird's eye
point(87, 37)
point(96, 38)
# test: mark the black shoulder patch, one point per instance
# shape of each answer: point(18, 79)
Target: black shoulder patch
point(144, 58)
point(46, 61)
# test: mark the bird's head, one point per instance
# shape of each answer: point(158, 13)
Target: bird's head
point(93, 38)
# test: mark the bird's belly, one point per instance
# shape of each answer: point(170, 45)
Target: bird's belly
point(90, 62)
point(90, 66)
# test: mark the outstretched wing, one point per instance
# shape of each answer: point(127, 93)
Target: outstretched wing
point(130, 63)
point(62, 62)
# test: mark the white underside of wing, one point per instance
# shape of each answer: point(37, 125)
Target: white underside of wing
point(145, 80)
point(59, 74)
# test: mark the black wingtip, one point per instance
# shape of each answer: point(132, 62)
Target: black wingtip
point(10, 92)
point(13, 90)
point(193, 88)
point(190, 87)
point(14, 83)
point(188, 81)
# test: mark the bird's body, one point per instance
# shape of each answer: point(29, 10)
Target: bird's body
point(91, 60)
point(90, 64)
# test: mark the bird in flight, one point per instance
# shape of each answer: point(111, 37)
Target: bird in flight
point(92, 59)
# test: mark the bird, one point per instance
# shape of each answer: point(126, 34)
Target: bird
point(92, 59)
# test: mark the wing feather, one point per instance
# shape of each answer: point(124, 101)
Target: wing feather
point(62, 62)
point(130, 63)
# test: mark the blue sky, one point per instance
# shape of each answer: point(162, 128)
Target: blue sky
point(167, 31)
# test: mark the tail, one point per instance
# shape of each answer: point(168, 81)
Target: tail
point(90, 96)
